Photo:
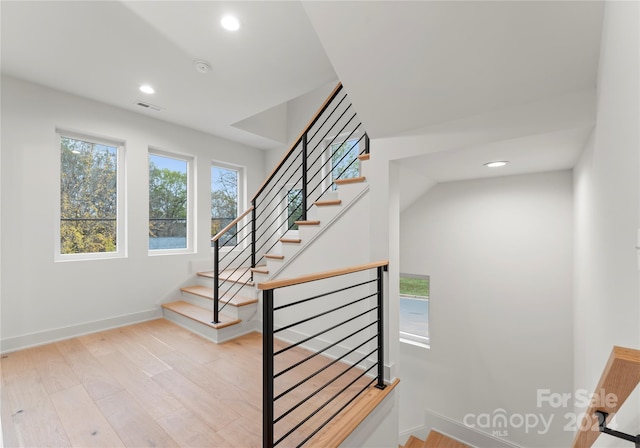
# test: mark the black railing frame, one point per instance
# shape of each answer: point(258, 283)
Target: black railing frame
point(290, 163)
point(268, 355)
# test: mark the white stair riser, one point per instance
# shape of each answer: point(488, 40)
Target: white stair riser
point(221, 335)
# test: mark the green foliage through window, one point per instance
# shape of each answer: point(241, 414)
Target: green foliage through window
point(344, 160)
point(418, 287)
point(294, 208)
point(224, 203)
point(88, 197)
point(168, 202)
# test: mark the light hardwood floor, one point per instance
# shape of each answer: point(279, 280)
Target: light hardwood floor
point(152, 384)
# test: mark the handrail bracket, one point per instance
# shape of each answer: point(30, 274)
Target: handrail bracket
point(602, 425)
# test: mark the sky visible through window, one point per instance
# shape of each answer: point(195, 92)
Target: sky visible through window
point(169, 163)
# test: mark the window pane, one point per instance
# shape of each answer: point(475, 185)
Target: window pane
point(88, 197)
point(224, 203)
point(168, 202)
point(344, 160)
point(294, 208)
point(414, 308)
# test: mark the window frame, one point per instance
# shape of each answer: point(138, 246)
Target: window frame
point(327, 162)
point(241, 202)
point(191, 201)
point(121, 217)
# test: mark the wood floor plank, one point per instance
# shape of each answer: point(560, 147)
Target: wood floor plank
point(89, 371)
point(242, 433)
point(155, 383)
point(13, 364)
point(97, 343)
point(196, 399)
point(216, 385)
point(132, 348)
point(153, 398)
point(190, 431)
point(33, 417)
point(54, 370)
point(132, 423)
point(83, 421)
point(195, 347)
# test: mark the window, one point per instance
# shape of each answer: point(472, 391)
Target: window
point(344, 159)
point(225, 190)
point(169, 203)
point(414, 309)
point(294, 207)
point(91, 210)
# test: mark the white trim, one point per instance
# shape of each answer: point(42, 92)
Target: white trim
point(191, 201)
point(57, 334)
point(241, 183)
point(121, 201)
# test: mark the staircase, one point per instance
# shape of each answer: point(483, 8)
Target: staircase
point(194, 309)
point(434, 440)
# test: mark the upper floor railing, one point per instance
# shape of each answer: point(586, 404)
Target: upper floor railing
point(620, 377)
point(323, 347)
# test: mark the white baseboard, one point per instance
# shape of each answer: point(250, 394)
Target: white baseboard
point(57, 334)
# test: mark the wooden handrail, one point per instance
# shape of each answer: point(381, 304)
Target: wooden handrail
point(231, 224)
point(619, 378)
point(281, 283)
point(297, 141)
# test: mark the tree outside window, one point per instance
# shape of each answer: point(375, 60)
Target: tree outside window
point(224, 203)
point(168, 202)
point(88, 197)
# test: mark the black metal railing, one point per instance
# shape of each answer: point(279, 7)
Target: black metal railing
point(320, 352)
point(326, 150)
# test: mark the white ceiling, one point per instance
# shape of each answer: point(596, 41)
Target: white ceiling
point(104, 50)
point(407, 66)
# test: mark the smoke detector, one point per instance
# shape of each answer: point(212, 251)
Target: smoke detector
point(202, 66)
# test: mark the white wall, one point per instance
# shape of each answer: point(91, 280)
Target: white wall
point(607, 209)
point(299, 111)
point(41, 299)
point(499, 253)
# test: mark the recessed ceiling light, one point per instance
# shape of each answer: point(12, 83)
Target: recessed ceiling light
point(146, 88)
point(496, 164)
point(230, 23)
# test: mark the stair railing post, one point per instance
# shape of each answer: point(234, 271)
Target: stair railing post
point(216, 286)
point(253, 233)
point(380, 282)
point(267, 368)
point(304, 177)
point(366, 143)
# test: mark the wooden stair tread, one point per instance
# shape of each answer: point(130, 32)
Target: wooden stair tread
point(290, 240)
point(362, 157)
point(350, 180)
point(274, 256)
point(338, 429)
point(259, 270)
point(200, 314)
point(413, 442)
point(308, 223)
point(328, 202)
point(207, 293)
point(439, 440)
